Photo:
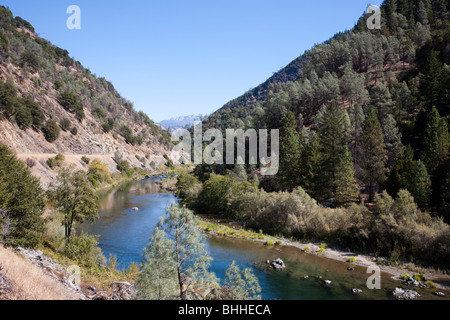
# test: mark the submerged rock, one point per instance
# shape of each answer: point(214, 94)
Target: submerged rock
point(278, 264)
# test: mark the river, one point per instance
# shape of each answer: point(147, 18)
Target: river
point(124, 233)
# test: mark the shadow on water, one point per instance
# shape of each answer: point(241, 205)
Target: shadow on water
point(124, 232)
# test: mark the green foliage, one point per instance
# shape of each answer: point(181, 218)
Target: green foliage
point(241, 285)
point(125, 168)
point(290, 153)
point(352, 260)
point(98, 112)
point(65, 124)
point(51, 131)
point(56, 162)
point(413, 176)
point(187, 188)
point(84, 250)
point(74, 131)
point(346, 185)
point(71, 102)
point(85, 159)
point(435, 145)
point(178, 248)
point(332, 142)
point(21, 203)
point(374, 153)
point(30, 60)
point(169, 162)
point(75, 198)
point(98, 173)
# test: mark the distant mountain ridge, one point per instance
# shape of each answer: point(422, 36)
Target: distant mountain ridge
point(180, 122)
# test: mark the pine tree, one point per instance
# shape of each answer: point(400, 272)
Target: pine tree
point(178, 243)
point(381, 99)
point(288, 175)
point(158, 277)
point(346, 186)
point(420, 185)
point(332, 142)
point(392, 140)
point(445, 194)
point(310, 167)
point(431, 81)
point(241, 285)
point(436, 142)
point(375, 154)
point(399, 176)
point(357, 118)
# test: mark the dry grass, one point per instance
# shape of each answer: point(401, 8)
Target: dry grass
point(29, 282)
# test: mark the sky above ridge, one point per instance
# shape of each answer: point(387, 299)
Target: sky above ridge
point(184, 57)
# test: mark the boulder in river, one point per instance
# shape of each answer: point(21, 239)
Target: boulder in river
point(135, 209)
point(278, 264)
point(399, 293)
point(440, 294)
point(327, 282)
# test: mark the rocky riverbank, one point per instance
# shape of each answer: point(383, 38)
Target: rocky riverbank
point(66, 281)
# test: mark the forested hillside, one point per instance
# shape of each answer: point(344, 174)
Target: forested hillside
point(370, 112)
point(50, 104)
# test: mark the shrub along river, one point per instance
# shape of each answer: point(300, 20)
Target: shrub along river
point(124, 232)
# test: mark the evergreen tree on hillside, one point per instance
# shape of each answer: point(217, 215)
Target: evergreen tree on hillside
point(420, 185)
point(310, 166)
point(346, 187)
point(375, 154)
point(445, 194)
point(332, 142)
point(436, 142)
point(288, 175)
point(392, 140)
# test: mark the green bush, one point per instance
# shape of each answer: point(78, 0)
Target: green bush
point(405, 276)
point(98, 112)
point(56, 162)
point(22, 202)
point(269, 242)
point(124, 167)
point(71, 103)
point(65, 124)
point(85, 159)
point(23, 117)
point(51, 131)
point(74, 131)
point(30, 60)
point(84, 250)
point(352, 260)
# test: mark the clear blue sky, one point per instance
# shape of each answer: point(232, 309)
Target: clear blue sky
point(183, 57)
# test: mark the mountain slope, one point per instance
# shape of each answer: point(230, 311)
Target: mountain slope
point(41, 83)
point(396, 53)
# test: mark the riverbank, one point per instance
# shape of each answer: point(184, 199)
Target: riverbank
point(362, 259)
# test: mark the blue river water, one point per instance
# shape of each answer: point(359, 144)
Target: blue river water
point(124, 233)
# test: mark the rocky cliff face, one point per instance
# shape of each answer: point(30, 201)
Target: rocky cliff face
point(41, 72)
